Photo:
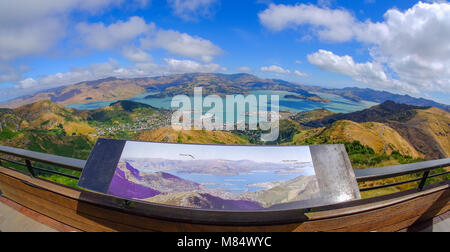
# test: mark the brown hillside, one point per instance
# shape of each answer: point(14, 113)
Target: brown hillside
point(428, 131)
point(103, 90)
point(169, 135)
point(48, 115)
point(380, 137)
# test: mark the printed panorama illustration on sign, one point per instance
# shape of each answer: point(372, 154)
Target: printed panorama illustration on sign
point(215, 177)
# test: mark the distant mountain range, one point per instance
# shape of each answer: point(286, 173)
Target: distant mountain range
point(358, 94)
point(211, 166)
point(113, 89)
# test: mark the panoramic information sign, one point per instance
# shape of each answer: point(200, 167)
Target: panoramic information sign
point(219, 177)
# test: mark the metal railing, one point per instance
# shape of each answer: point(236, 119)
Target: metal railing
point(29, 156)
point(363, 175)
point(426, 167)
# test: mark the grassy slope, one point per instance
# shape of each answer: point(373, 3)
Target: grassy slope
point(378, 136)
point(436, 123)
point(45, 115)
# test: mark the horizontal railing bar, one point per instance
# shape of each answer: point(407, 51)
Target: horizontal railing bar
point(13, 162)
point(69, 163)
point(371, 174)
point(56, 173)
point(402, 182)
point(390, 185)
point(438, 175)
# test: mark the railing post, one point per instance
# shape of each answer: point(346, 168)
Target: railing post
point(30, 168)
point(424, 180)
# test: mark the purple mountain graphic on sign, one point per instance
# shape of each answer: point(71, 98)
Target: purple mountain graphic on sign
point(133, 171)
point(124, 188)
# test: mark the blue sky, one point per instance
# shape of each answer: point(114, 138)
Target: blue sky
point(399, 46)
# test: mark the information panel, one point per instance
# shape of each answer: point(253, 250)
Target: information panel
point(219, 177)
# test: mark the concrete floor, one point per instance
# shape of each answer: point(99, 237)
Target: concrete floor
point(11, 218)
point(440, 227)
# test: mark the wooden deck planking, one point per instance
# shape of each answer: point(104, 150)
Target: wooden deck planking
point(65, 205)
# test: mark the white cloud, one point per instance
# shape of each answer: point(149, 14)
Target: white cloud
point(99, 36)
point(275, 69)
point(370, 73)
point(28, 83)
point(412, 44)
point(192, 9)
point(102, 37)
point(135, 54)
point(182, 44)
point(29, 27)
point(334, 25)
point(301, 74)
point(31, 10)
point(188, 66)
point(50, 19)
point(29, 39)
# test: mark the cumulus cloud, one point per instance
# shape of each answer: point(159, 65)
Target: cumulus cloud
point(27, 10)
point(192, 9)
point(412, 44)
point(28, 83)
point(30, 39)
point(189, 66)
point(33, 28)
point(370, 73)
point(182, 44)
point(29, 27)
point(335, 25)
point(103, 37)
point(275, 69)
point(99, 36)
point(135, 54)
